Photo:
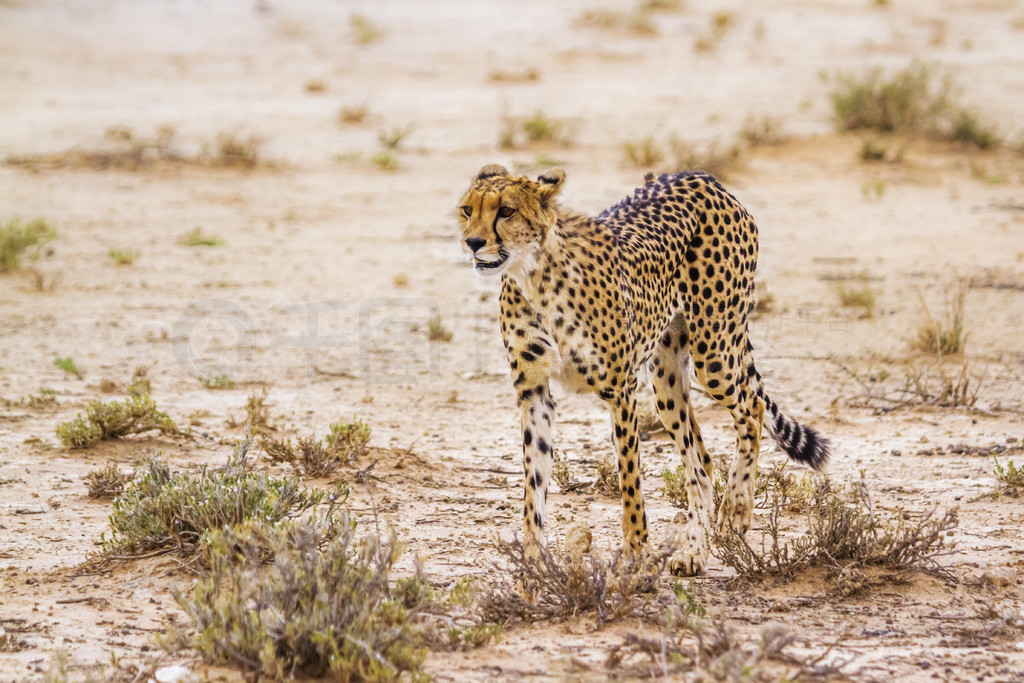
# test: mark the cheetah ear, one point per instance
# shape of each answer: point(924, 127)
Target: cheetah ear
point(550, 184)
point(491, 170)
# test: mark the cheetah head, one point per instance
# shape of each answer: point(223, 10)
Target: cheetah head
point(504, 218)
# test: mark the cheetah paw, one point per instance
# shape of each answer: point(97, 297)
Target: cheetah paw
point(735, 515)
point(686, 563)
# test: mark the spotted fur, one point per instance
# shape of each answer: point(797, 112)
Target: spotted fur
point(661, 279)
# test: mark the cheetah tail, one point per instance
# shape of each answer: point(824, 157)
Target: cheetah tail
point(799, 441)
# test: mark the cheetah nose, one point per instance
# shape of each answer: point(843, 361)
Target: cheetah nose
point(475, 243)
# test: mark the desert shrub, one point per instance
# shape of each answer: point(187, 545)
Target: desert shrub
point(326, 605)
point(123, 257)
point(568, 584)
point(385, 161)
point(541, 128)
point(217, 382)
point(236, 149)
point(106, 482)
point(757, 132)
point(352, 113)
point(1009, 475)
point(436, 331)
point(68, 366)
point(161, 510)
point(915, 101)
point(675, 485)
point(846, 536)
point(712, 159)
point(196, 238)
point(644, 153)
point(17, 237)
point(257, 414)
point(391, 139)
point(349, 439)
point(364, 30)
point(947, 335)
point(858, 295)
point(639, 22)
point(136, 414)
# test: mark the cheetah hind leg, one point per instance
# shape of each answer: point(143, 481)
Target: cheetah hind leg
point(671, 379)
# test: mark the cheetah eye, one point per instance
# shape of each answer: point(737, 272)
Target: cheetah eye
point(466, 211)
point(506, 211)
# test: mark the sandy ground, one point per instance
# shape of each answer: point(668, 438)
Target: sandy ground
point(331, 267)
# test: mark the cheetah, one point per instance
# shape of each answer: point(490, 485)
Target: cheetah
point(662, 278)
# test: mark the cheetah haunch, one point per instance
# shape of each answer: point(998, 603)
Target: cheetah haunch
point(661, 278)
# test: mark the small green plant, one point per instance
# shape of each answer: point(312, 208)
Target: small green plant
point(675, 485)
point(45, 398)
point(436, 331)
point(393, 138)
point(106, 482)
point(68, 366)
point(217, 382)
point(161, 510)
point(123, 257)
point(236, 149)
point(872, 151)
point(16, 237)
point(136, 414)
point(857, 296)
point(352, 114)
point(967, 129)
point(873, 190)
point(1010, 475)
point(541, 128)
point(364, 30)
point(349, 439)
point(196, 238)
point(384, 161)
point(644, 153)
point(948, 335)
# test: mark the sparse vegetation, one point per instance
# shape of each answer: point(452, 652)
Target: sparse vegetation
point(17, 237)
point(758, 132)
point(237, 149)
point(639, 22)
point(607, 481)
point(722, 22)
point(385, 161)
point(364, 30)
point(352, 114)
point(541, 128)
point(315, 85)
point(1009, 475)
point(765, 299)
point(916, 101)
point(858, 295)
point(568, 584)
point(196, 238)
point(525, 76)
point(713, 159)
point(161, 510)
point(948, 335)
point(349, 439)
point(644, 153)
point(846, 536)
point(136, 414)
point(106, 482)
point(257, 414)
point(218, 382)
point(436, 331)
point(123, 257)
point(391, 139)
point(68, 366)
point(308, 457)
point(327, 605)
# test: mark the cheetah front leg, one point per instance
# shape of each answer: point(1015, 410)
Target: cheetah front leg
point(538, 415)
point(634, 518)
point(670, 372)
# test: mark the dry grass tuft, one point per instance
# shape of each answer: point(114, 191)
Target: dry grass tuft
point(846, 536)
point(106, 482)
point(764, 131)
point(18, 237)
point(712, 159)
point(239, 150)
point(123, 257)
point(644, 153)
point(352, 114)
point(436, 331)
point(567, 585)
point(946, 336)
point(639, 22)
point(858, 295)
point(310, 457)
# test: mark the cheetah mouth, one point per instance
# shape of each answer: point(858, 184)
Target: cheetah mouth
point(481, 264)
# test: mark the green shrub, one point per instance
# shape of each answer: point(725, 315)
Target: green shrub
point(68, 366)
point(106, 482)
point(1010, 475)
point(123, 257)
point(16, 237)
point(164, 510)
point(136, 414)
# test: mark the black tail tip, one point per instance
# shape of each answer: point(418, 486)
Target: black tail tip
point(814, 450)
